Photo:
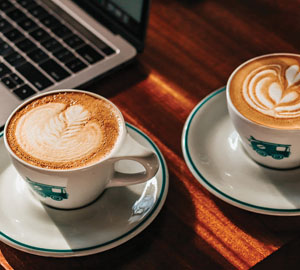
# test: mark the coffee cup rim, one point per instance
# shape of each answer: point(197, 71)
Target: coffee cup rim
point(230, 103)
point(116, 147)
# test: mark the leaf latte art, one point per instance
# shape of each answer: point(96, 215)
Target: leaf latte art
point(274, 90)
point(64, 130)
point(55, 133)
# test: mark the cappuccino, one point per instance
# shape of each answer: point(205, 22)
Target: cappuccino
point(64, 130)
point(266, 90)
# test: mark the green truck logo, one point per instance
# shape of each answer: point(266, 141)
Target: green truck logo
point(275, 150)
point(56, 193)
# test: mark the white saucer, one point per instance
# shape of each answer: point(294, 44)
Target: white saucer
point(117, 216)
point(216, 158)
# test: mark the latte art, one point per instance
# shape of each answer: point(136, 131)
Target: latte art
point(266, 90)
point(57, 133)
point(63, 131)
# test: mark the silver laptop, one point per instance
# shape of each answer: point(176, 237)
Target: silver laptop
point(57, 44)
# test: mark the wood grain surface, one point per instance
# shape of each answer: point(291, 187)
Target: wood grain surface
point(192, 47)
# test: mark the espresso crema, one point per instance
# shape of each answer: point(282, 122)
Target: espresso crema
point(64, 130)
point(266, 90)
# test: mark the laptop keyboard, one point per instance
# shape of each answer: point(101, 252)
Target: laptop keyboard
point(37, 50)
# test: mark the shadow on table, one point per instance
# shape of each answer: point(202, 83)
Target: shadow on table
point(118, 80)
point(265, 228)
point(287, 257)
point(281, 231)
point(187, 3)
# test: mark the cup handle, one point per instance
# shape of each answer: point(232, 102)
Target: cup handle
point(148, 161)
point(147, 158)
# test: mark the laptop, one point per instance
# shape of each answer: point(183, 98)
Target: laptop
point(54, 44)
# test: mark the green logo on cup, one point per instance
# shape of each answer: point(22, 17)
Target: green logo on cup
point(56, 193)
point(275, 150)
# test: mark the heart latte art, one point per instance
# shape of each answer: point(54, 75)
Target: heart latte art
point(64, 130)
point(267, 91)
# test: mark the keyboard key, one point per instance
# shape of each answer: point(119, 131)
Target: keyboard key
point(52, 45)
point(102, 46)
point(5, 5)
point(5, 49)
point(64, 55)
point(16, 78)
point(27, 24)
point(62, 31)
point(26, 45)
point(74, 41)
point(89, 54)
point(33, 75)
point(27, 3)
point(4, 70)
point(8, 82)
point(38, 55)
point(50, 22)
point(15, 59)
point(5, 26)
point(24, 92)
point(108, 50)
point(76, 65)
point(16, 15)
point(40, 34)
point(38, 12)
point(55, 70)
point(14, 35)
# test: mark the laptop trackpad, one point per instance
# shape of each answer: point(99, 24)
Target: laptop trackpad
point(8, 102)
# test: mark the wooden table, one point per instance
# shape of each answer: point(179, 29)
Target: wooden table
point(192, 47)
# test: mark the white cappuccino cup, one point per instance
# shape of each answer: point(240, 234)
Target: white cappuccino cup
point(263, 99)
point(66, 144)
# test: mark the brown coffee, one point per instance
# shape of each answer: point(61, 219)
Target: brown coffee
point(266, 90)
point(64, 130)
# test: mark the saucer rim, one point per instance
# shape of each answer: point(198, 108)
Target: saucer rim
point(206, 183)
point(113, 242)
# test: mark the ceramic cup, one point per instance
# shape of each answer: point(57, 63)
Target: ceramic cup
point(271, 86)
point(77, 187)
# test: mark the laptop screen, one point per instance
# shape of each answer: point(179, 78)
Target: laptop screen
point(128, 18)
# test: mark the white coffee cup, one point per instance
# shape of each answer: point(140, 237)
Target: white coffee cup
point(272, 146)
point(77, 187)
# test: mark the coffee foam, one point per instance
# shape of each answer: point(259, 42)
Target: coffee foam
point(64, 131)
point(266, 90)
